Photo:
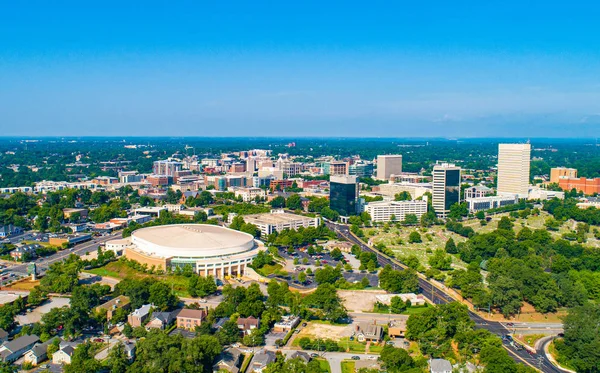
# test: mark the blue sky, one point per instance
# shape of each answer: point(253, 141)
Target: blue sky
point(392, 69)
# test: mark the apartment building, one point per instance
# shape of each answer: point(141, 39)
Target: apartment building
point(386, 210)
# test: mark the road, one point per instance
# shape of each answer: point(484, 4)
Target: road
point(438, 296)
point(534, 328)
point(44, 262)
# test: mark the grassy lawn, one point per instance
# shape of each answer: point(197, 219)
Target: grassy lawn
point(348, 366)
point(530, 339)
point(376, 349)
point(44, 244)
point(324, 365)
point(352, 346)
point(276, 269)
point(120, 270)
point(25, 284)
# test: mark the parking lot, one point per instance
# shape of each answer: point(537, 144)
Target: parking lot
point(36, 314)
point(271, 337)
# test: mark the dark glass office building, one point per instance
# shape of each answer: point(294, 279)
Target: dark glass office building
point(343, 194)
point(452, 188)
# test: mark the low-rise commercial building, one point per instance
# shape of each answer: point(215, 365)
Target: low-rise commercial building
point(492, 202)
point(278, 220)
point(69, 239)
point(286, 324)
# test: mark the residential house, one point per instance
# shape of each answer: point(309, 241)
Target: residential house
point(261, 360)
point(397, 328)
point(11, 351)
point(286, 324)
point(160, 320)
point(229, 360)
point(129, 348)
point(189, 319)
point(301, 355)
point(120, 302)
point(369, 332)
point(64, 353)
point(3, 335)
point(139, 316)
point(246, 325)
point(218, 324)
point(9, 230)
point(38, 353)
point(440, 366)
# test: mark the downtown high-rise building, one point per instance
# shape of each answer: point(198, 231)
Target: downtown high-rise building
point(343, 194)
point(446, 188)
point(388, 165)
point(514, 162)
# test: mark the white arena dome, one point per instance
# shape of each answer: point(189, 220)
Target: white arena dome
point(209, 249)
point(191, 241)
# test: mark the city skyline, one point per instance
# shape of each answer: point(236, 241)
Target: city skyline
point(310, 70)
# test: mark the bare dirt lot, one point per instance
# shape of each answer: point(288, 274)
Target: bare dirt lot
point(325, 331)
point(359, 300)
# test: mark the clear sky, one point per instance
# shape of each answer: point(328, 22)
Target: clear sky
point(300, 68)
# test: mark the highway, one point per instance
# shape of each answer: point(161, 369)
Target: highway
point(438, 296)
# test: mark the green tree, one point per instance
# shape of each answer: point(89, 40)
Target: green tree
point(440, 260)
point(278, 202)
point(414, 237)
point(451, 246)
point(294, 202)
point(117, 359)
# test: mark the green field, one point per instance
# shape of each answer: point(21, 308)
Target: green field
point(119, 270)
point(269, 269)
point(352, 346)
point(323, 364)
point(348, 366)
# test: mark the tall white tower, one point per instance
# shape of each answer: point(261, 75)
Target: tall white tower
point(514, 163)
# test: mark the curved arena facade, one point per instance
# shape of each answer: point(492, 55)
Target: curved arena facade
point(208, 249)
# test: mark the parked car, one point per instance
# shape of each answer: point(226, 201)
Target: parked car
point(355, 357)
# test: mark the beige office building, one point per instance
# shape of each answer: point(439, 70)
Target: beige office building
point(513, 169)
point(557, 173)
point(388, 165)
